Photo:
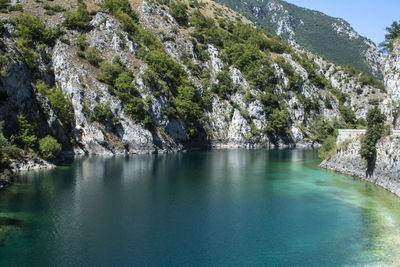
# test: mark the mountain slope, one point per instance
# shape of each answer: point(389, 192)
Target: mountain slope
point(153, 77)
point(313, 31)
point(385, 168)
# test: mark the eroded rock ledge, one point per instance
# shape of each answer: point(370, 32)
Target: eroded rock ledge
point(386, 170)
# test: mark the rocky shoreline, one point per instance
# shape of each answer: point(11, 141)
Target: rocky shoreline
point(386, 170)
point(22, 165)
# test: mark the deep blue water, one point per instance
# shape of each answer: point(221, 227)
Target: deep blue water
point(219, 208)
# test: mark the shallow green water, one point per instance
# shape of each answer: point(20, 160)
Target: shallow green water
point(219, 208)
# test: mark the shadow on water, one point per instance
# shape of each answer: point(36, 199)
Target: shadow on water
point(5, 221)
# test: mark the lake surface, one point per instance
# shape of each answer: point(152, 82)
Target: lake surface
point(217, 208)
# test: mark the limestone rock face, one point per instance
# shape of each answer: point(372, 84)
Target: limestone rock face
point(386, 169)
point(242, 118)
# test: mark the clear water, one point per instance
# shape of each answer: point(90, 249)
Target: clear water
point(219, 208)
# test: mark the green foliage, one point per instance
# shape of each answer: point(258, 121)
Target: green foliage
point(295, 80)
point(375, 124)
point(312, 69)
point(81, 41)
point(122, 10)
point(78, 19)
point(188, 108)
point(109, 72)
point(49, 148)
point(30, 30)
point(4, 3)
point(348, 115)
point(166, 68)
point(102, 113)
point(93, 56)
point(178, 10)
point(53, 9)
point(322, 129)
point(120, 6)
point(26, 134)
point(270, 101)
point(121, 84)
point(6, 7)
point(225, 85)
point(328, 147)
point(310, 104)
point(367, 80)
point(61, 105)
point(391, 36)
point(278, 123)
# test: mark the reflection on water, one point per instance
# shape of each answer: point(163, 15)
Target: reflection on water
point(197, 209)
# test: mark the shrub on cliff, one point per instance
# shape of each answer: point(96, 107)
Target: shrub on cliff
point(102, 113)
point(49, 148)
point(179, 12)
point(62, 106)
point(93, 56)
point(78, 19)
point(225, 85)
point(26, 136)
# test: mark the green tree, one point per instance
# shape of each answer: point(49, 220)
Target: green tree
point(62, 106)
point(375, 124)
point(278, 123)
point(26, 135)
point(393, 34)
point(49, 148)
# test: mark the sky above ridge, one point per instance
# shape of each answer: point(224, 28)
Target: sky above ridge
point(368, 17)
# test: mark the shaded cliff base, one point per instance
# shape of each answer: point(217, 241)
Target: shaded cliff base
point(386, 168)
point(21, 165)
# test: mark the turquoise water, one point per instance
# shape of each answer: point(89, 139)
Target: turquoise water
point(219, 208)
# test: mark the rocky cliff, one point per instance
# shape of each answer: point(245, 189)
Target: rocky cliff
point(144, 78)
point(385, 170)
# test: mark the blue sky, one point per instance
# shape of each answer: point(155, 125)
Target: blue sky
point(368, 17)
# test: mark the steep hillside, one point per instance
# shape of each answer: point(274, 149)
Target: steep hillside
point(384, 166)
point(313, 31)
point(154, 77)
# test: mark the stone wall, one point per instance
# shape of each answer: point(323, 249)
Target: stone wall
point(349, 134)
